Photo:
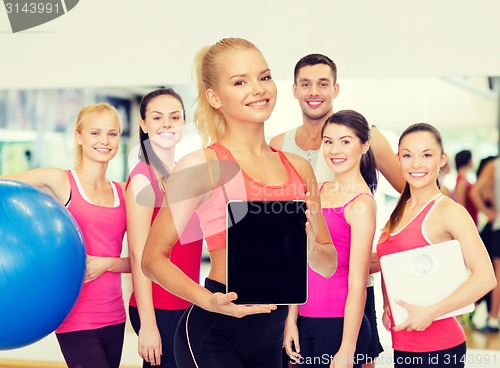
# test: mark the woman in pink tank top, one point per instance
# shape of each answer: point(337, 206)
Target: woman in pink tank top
point(332, 322)
point(154, 312)
point(93, 332)
point(423, 216)
point(236, 94)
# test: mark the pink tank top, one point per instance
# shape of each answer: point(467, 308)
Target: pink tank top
point(443, 334)
point(327, 296)
point(100, 302)
point(235, 184)
point(185, 254)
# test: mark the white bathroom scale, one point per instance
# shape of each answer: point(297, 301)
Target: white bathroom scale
point(424, 276)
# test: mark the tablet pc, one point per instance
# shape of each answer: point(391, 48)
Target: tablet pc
point(424, 276)
point(267, 251)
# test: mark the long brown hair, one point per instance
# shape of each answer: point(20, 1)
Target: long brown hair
point(146, 152)
point(398, 211)
point(358, 124)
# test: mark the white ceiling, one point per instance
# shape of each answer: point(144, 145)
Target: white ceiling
point(153, 42)
point(398, 60)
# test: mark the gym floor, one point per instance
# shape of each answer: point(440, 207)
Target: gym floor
point(483, 348)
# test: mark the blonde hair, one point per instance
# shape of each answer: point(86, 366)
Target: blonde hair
point(208, 120)
point(87, 113)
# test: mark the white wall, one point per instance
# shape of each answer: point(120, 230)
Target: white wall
point(395, 103)
point(395, 58)
point(150, 42)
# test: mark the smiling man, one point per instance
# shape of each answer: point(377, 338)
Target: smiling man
point(315, 86)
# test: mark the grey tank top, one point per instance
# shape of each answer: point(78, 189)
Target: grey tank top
point(289, 145)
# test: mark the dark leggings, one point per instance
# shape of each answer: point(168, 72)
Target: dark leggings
point(375, 347)
point(101, 347)
point(320, 340)
point(167, 321)
point(211, 340)
point(448, 358)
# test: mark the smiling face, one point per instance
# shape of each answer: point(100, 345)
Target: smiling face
point(342, 148)
point(245, 90)
point(99, 137)
point(164, 121)
point(420, 158)
point(315, 90)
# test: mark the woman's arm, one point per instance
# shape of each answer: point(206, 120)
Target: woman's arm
point(322, 255)
point(139, 217)
point(386, 316)
point(291, 335)
point(277, 141)
point(386, 159)
point(97, 265)
point(169, 222)
point(461, 192)
point(459, 225)
point(361, 216)
point(52, 180)
point(187, 187)
point(482, 279)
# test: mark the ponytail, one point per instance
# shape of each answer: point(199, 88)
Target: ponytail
point(397, 213)
point(368, 170)
point(208, 120)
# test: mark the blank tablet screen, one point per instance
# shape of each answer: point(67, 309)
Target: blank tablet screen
point(267, 252)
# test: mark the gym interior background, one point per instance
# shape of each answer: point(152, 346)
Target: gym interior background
point(398, 63)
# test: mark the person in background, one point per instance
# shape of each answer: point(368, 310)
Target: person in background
point(424, 216)
point(463, 164)
point(486, 195)
point(315, 87)
point(236, 95)
point(332, 321)
point(486, 233)
point(155, 312)
point(92, 334)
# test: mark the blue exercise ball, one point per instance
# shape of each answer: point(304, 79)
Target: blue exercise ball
point(42, 264)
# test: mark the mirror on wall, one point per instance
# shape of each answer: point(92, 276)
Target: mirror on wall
point(36, 125)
